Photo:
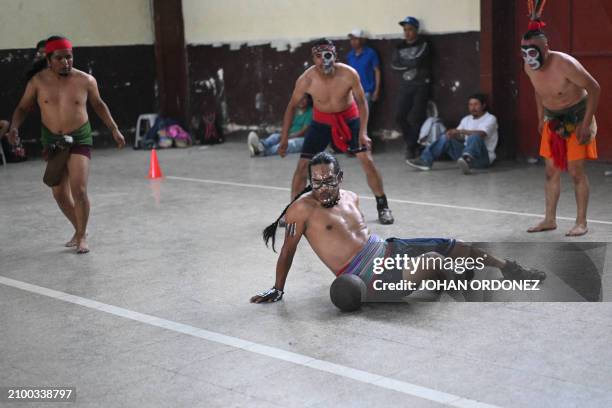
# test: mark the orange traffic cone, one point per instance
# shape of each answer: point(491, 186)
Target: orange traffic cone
point(154, 169)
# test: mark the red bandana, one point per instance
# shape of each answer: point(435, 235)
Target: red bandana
point(59, 44)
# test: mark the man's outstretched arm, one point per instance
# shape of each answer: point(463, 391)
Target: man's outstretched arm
point(293, 233)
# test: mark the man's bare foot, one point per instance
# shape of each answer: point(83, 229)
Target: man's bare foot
point(543, 226)
point(73, 241)
point(577, 230)
point(82, 247)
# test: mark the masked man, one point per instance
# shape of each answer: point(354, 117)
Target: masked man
point(340, 116)
point(566, 98)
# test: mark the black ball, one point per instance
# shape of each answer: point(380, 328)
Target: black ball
point(347, 292)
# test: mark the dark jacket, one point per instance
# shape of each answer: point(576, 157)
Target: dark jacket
point(414, 62)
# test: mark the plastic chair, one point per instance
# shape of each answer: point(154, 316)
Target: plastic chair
point(147, 118)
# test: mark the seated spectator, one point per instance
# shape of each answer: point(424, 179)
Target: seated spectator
point(472, 144)
point(269, 145)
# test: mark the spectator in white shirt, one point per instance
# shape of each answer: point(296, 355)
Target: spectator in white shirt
point(472, 144)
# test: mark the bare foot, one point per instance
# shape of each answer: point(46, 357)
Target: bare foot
point(82, 247)
point(577, 230)
point(73, 241)
point(543, 226)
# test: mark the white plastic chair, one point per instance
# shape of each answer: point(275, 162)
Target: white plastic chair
point(147, 118)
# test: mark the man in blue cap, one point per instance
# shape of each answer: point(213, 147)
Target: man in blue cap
point(412, 58)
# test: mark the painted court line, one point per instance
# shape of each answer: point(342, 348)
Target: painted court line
point(273, 352)
point(391, 200)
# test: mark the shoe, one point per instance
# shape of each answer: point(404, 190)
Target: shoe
point(464, 164)
point(419, 164)
point(409, 154)
point(514, 271)
point(255, 145)
point(385, 216)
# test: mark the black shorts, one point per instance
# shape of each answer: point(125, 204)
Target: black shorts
point(319, 135)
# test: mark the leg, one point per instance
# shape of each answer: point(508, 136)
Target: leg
point(474, 154)
point(581, 187)
point(299, 177)
point(376, 185)
point(553, 190)
point(78, 173)
point(404, 105)
point(271, 140)
point(63, 197)
point(509, 269)
point(372, 175)
point(435, 150)
point(418, 114)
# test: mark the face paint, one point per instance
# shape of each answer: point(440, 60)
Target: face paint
point(327, 191)
point(533, 56)
point(328, 54)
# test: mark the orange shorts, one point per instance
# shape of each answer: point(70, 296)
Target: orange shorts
point(575, 151)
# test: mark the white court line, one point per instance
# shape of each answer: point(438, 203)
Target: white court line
point(273, 352)
point(391, 200)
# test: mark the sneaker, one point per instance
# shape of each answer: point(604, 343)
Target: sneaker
point(419, 164)
point(514, 271)
point(409, 155)
point(255, 146)
point(385, 216)
point(464, 164)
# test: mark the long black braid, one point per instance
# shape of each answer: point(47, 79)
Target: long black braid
point(321, 158)
point(270, 230)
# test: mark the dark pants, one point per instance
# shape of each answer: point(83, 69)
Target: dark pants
point(411, 112)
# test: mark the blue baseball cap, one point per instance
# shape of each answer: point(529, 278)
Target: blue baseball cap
point(410, 20)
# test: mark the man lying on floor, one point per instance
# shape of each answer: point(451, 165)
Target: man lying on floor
point(335, 228)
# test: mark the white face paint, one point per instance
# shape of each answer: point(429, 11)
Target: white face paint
point(532, 56)
point(328, 62)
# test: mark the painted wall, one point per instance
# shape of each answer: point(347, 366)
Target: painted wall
point(261, 48)
point(113, 41)
point(86, 22)
point(282, 21)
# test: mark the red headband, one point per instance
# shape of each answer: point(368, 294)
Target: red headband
point(59, 44)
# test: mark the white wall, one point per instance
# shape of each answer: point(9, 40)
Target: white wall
point(253, 21)
point(85, 22)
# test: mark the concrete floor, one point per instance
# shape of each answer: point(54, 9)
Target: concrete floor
point(178, 260)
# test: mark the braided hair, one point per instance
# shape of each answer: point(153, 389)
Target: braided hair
point(321, 158)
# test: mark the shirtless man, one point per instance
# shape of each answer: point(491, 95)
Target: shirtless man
point(566, 98)
point(335, 228)
point(340, 116)
point(62, 92)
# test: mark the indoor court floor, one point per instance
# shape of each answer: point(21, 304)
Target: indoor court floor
point(158, 313)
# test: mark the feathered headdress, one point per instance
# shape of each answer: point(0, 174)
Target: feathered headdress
point(536, 7)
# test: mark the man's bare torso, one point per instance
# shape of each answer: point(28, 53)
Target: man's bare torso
point(62, 100)
point(330, 93)
point(552, 84)
point(335, 234)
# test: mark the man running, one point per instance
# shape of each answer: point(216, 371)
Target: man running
point(566, 98)
point(335, 228)
point(62, 93)
point(340, 117)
